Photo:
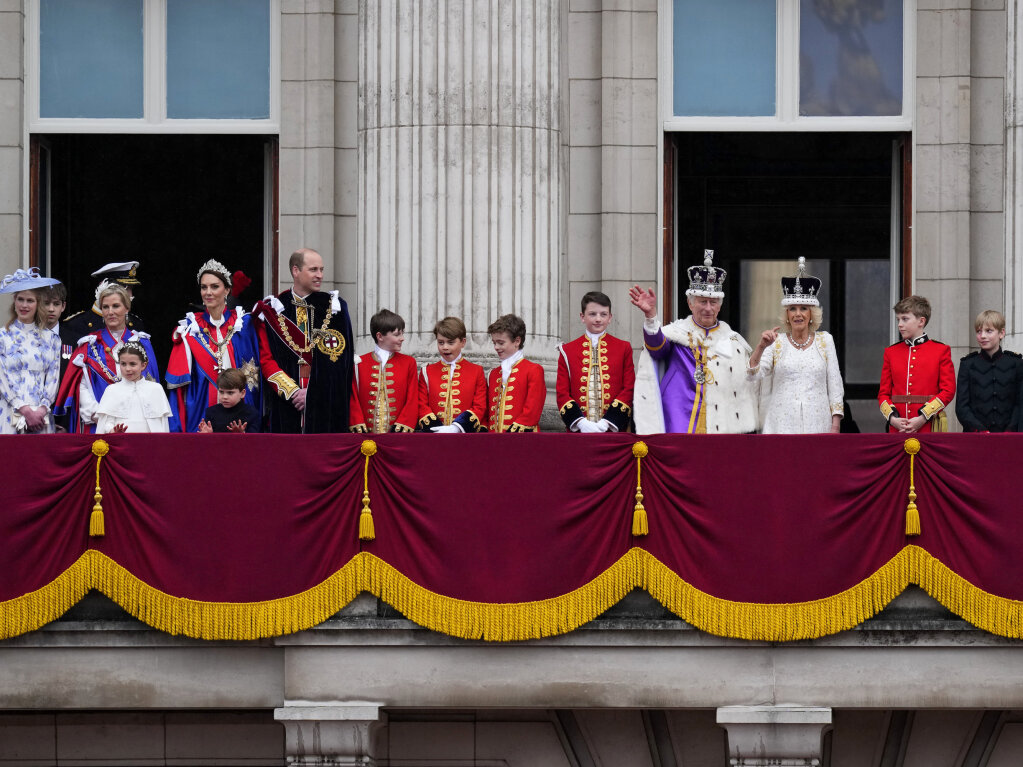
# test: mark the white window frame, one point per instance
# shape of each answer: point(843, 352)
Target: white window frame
point(786, 117)
point(154, 57)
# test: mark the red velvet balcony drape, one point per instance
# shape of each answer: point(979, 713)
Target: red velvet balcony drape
point(509, 537)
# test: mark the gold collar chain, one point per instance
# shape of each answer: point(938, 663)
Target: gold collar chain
point(286, 335)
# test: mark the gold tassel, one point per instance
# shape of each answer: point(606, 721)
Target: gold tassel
point(640, 524)
point(366, 529)
point(912, 447)
point(96, 526)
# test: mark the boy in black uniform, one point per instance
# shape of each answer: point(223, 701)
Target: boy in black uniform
point(231, 413)
point(990, 381)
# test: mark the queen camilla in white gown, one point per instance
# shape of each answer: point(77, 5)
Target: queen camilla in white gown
point(805, 385)
point(801, 389)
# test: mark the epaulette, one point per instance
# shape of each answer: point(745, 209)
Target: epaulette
point(1011, 354)
point(974, 354)
point(71, 316)
point(897, 343)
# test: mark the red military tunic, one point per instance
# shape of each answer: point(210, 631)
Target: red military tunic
point(461, 400)
point(611, 387)
point(516, 406)
point(384, 401)
point(917, 378)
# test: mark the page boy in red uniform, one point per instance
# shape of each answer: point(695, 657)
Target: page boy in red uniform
point(385, 393)
point(918, 379)
point(515, 391)
point(452, 391)
point(595, 373)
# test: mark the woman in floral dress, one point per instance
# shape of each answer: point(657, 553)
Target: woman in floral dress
point(29, 358)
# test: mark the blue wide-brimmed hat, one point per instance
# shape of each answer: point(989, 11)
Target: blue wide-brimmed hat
point(25, 279)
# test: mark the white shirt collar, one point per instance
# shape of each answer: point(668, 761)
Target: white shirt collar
point(453, 362)
point(594, 339)
point(381, 355)
point(508, 364)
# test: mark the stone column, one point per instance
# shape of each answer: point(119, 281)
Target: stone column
point(1014, 174)
point(338, 734)
point(779, 736)
point(458, 135)
point(13, 204)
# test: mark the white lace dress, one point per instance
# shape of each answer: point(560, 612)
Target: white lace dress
point(800, 388)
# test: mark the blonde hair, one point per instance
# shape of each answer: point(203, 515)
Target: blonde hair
point(40, 318)
point(114, 289)
point(816, 318)
point(989, 317)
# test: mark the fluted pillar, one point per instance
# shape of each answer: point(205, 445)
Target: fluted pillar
point(1014, 174)
point(459, 202)
point(330, 734)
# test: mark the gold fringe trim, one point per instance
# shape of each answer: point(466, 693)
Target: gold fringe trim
point(225, 620)
point(777, 622)
point(514, 621)
point(994, 614)
point(497, 621)
point(37, 608)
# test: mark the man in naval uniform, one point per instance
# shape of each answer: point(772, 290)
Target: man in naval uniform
point(305, 352)
point(691, 376)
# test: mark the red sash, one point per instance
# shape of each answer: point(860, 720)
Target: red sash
point(272, 321)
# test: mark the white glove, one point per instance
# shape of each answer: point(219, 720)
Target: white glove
point(604, 425)
point(452, 429)
point(588, 427)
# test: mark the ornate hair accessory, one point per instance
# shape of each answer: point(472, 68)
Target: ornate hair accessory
point(135, 348)
point(707, 280)
point(214, 267)
point(801, 290)
point(25, 279)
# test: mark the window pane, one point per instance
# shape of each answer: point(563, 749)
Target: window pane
point(724, 54)
point(90, 58)
point(218, 59)
point(867, 319)
point(761, 294)
point(850, 57)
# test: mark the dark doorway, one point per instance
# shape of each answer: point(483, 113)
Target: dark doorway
point(168, 202)
point(761, 200)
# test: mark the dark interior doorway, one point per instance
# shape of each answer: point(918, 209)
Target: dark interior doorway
point(169, 202)
point(761, 200)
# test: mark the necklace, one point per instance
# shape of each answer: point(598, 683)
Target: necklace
point(804, 344)
point(219, 353)
point(100, 358)
point(286, 335)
